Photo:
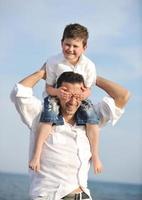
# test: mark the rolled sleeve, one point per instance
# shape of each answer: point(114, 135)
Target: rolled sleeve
point(28, 106)
point(22, 91)
point(108, 111)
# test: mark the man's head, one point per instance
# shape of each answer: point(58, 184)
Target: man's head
point(73, 83)
point(74, 42)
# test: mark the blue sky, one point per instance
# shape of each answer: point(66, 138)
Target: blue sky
point(31, 32)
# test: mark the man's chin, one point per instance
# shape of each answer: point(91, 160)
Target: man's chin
point(70, 112)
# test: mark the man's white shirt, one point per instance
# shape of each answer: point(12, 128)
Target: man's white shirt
point(65, 158)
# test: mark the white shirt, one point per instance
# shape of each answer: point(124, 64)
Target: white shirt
point(56, 65)
point(65, 158)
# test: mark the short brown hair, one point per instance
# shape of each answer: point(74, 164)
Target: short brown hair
point(76, 31)
point(69, 77)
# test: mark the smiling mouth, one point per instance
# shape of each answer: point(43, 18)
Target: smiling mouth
point(70, 54)
point(69, 107)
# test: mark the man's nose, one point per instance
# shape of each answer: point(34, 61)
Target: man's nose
point(72, 100)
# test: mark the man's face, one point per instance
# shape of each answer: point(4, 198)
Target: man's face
point(70, 106)
point(72, 49)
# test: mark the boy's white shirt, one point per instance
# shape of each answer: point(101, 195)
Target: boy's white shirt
point(57, 64)
point(59, 176)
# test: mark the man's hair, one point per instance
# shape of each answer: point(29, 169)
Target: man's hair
point(69, 77)
point(76, 31)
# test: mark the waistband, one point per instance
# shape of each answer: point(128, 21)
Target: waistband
point(79, 196)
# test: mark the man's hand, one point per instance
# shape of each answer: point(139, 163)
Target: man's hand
point(31, 80)
point(43, 71)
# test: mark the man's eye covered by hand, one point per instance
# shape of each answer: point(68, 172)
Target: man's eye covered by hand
point(69, 96)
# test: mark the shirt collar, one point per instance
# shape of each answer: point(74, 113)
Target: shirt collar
point(64, 60)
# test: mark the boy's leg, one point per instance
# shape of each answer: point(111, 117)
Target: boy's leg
point(93, 136)
point(49, 116)
point(44, 130)
point(86, 115)
point(51, 112)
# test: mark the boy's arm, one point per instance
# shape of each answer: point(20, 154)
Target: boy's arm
point(116, 91)
point(51, 90)
point(86, 92)
point(60, 92)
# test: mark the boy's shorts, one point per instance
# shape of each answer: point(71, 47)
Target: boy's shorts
point(86, 114)
point(51, 112)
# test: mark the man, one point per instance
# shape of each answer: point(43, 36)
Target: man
point(65, 158)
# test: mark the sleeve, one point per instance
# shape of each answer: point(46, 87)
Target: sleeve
point(91, 75)
point(28, 106)
point(108, 111)
point(51, 72)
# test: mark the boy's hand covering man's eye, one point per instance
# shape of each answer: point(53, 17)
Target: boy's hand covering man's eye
point(86, 92)
point(78, 97)
point(62, 93)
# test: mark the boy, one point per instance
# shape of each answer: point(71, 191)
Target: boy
point(74, 44)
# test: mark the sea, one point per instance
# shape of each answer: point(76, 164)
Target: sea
point(15, 187)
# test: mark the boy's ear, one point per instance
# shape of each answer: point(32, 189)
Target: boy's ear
point(85, 47)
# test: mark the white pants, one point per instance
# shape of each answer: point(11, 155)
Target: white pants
point(41, 198)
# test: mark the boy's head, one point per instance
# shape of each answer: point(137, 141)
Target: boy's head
point(74, 31)
point(74, 42)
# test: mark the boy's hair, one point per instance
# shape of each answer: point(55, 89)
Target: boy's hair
point(69, 77)
point(76, 31)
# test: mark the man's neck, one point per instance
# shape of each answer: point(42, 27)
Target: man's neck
point(69, 119)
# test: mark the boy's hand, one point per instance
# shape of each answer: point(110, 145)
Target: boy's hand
point(63, 93)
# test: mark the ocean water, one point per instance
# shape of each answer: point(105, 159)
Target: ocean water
point(15, 187)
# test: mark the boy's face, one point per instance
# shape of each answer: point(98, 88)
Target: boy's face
point(72, 49)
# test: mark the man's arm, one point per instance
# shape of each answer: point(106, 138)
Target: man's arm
point(27, 105)
point(117, 92)
point(31, 80)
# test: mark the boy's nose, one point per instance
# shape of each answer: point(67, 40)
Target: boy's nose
point(71, 48)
